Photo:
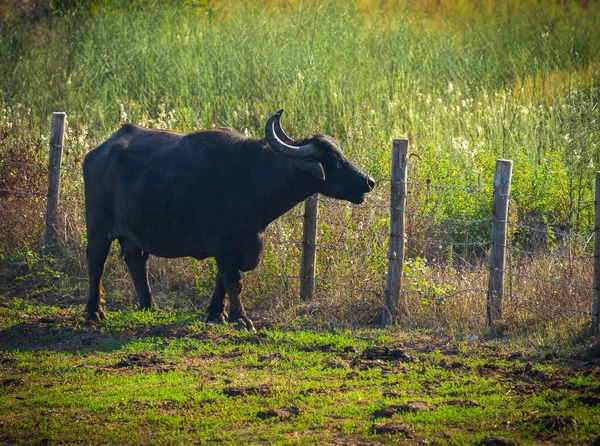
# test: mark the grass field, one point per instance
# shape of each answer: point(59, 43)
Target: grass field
point(165, 378)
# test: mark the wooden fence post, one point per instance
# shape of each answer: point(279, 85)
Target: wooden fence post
point(396, 249)
point(57, 133)
point(309, 248)
point(596, 298)
point(502, 179)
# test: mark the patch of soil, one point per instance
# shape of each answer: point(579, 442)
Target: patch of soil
point(12, 382)
point(393, 353)
point(58, 335)
point(410, 407)
point(158, 404)
point(271, 358)
point(529, 371)
point(233, 391)
point(496, 441)
point(171, 330)
point(327, 348)
point(145, 360)
point(590, 400)
point(552, 423)
point(453, 365)
point(282, 413)
point(487, 369)
point(54, 298)
point(6, 359)
point(526, 388)
point(391, 428)
point(316, 391)
point(337, 364)
point(365, 365)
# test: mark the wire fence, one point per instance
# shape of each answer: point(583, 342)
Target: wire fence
point(548, 272)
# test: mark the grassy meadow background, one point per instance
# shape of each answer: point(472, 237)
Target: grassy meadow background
point(467, 82)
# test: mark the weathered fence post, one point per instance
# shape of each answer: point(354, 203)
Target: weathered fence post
point(396, 249)
point(596, 301)
point(309, 248)
point(57, 133)
point(502, 179)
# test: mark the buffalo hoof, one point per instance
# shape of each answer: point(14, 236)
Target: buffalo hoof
point(92, 317)
point(219, 318)
point(244, 323)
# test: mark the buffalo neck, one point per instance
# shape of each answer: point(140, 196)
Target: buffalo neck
point(287, 186)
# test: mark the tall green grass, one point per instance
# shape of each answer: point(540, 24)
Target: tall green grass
point(467, 83)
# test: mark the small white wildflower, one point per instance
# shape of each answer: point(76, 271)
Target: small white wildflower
point(299, 75)
point(123, 113)
point(372, 112)
point(439, 100)
point(450, 87)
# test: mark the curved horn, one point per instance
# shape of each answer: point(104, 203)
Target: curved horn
point(277, 144)
point(281, 134)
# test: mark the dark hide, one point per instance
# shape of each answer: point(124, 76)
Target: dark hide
point(205, 194)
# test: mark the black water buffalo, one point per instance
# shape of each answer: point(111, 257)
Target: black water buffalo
point(206, 194)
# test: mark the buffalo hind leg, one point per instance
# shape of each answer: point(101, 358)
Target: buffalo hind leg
point(216, 309)
point(97, 250)
point(137, 263)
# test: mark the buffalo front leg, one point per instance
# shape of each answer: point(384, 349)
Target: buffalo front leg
point(216, 309)
point(97, 251)
point(137, 263)
point(237, 313)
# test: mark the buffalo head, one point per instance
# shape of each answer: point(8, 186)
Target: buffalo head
point(321, 156)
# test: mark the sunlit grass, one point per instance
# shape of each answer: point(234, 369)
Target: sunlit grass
point(174, 389)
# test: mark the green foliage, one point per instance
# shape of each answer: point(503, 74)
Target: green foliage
point(32, 268)
point(415, 270)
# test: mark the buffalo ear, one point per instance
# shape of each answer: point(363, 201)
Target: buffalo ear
point(315, 168)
